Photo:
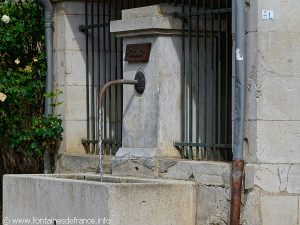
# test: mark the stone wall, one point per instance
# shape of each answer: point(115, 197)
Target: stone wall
point(212, 184)
point(70, 74)
point(273, 63)
point(272, 115)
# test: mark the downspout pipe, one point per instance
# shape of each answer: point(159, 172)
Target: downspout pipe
point(239, 113)
point(48, 11)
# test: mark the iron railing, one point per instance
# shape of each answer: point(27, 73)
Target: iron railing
point(206, 75)
point(104, 58)
point(206, 80)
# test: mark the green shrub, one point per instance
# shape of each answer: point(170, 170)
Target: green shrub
point(22, 80)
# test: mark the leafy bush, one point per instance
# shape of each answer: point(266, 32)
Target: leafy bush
point(22, 80)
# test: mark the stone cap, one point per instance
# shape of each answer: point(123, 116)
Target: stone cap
point(155, 19)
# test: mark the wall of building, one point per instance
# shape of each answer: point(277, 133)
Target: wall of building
point(272, 130)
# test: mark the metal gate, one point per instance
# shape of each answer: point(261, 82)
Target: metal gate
point(206, 75)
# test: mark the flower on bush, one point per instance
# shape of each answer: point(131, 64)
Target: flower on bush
point(28, 69)
point(5, 19)
point(23, 125)
point(2, 97)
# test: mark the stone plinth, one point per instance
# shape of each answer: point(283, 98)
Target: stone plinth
point(151, 121)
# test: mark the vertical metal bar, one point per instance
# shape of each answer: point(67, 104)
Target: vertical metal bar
point(104, 68)
point(198, 84)
point(190, 83)
point(219, 79)
point(116, 75)
point(212, 73)
point(226, 83)
point(99, 66)
point(87, 77)
point(109, 75)
point(205, 84)
point(183, 76)
point(93, 80)
point(121, 76)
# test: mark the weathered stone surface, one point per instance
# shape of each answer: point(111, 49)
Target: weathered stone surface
point(74, 132)
point(286, 17)
point(148, 120)
point(212, 205)
point(271, 143)
point(250, 142)
point(263, 176)
point(81, 164)
point(147, 18)
point(210, 173)
point(75, 103)
point(281, 104)
point(73, 8)
point(74, 39)
point(272, 68)
point(251, 210)
point(252, 15)
point(271, 178)
point(58, 33)
point(138, 162)
point(251, 73)
point(279, 210)
point(282, 56)
point(283, 174)
point(272, 82)
point(150, 11)
point(293, 181)
point(75, 70)
point(278, 141)
point(59, 69)
point(122, 200)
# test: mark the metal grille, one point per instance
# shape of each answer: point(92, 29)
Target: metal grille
point(206, 75)
point(206, 80)
point(104, 63)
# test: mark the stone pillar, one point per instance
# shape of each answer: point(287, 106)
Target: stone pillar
point(151, 121)
point(70, 78)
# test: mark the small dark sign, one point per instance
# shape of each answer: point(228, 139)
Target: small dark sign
point(137, 52)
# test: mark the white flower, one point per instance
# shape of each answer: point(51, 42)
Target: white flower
point(17, 61)
point(35, 59)
point(28, 69)
point(2, 97)
point(5, 19)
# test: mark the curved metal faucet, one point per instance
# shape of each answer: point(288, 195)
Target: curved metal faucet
point(139, 83)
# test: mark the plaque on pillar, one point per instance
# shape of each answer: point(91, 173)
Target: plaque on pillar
point(137, 52)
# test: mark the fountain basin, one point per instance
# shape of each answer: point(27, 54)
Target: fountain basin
point(116, 200)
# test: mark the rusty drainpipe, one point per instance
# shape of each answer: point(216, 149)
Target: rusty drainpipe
point(239, 114)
